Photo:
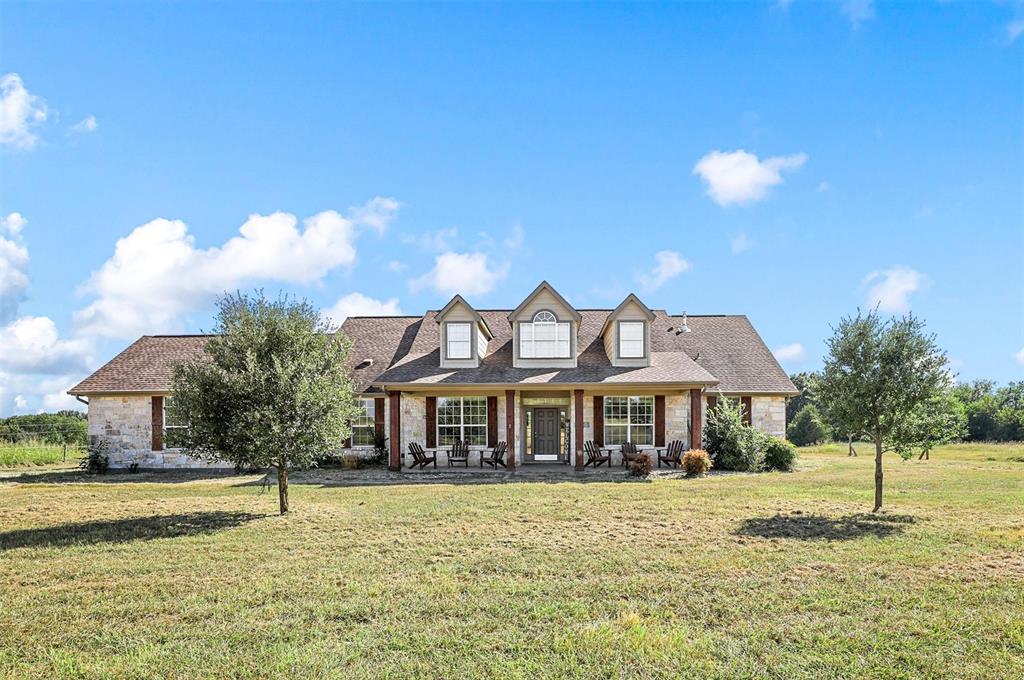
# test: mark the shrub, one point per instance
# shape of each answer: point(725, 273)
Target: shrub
point(731, 444)
point(96, 461)
point(808, 427)
point(641, 467)
point(380, 449)
point(696, 462)
point(779, 455)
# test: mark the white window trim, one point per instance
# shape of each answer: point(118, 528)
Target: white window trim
point(166, 427)
point(369, 406)
point(629, 419)
point(462, 420)
point(559, 326)
point(448, 341)
point(643, 340)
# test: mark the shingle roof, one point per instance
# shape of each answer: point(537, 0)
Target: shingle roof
point(147, 365)
point(721, 351)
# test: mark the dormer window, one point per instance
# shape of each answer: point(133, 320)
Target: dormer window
point(631, 339)
point(459, 344)
point(545, 337)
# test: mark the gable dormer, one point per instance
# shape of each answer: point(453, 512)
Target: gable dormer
point(627, 333)
point(464, 335)
point(544, 330)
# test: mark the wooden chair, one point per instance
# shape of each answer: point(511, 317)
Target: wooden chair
point(673, 456)
point(420, 458)
point(594, 455)
point(630, 453)
point(496, 458)
point(459, 454)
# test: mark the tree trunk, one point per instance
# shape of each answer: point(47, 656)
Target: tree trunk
point(849, 441)
point(282, 485)
point(878, 475)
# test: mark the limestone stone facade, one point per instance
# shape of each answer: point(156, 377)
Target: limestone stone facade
point(768, 414)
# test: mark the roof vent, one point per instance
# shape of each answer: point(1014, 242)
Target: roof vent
point(365, 363)
point(683, 328)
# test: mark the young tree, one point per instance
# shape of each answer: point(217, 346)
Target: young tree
point(273, 390)
point(807, 427)
point(876, 375)
point(807, 383)
point(936, 421)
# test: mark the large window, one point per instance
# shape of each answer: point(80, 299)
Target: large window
point(628, 419)
point(544, 338)
point(457, 335)
point(174, 427)
point(461, 418)
point(363, 425)
point(631, 339)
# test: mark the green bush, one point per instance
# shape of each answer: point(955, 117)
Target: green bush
point(808, 427)
point(779, 455)
point(731, 444)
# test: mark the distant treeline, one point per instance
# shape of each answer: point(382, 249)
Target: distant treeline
point(63, 427)
point(990, 413)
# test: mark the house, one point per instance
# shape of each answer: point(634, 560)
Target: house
point(543, 377)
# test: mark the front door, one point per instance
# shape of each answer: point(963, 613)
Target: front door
point(545, 434)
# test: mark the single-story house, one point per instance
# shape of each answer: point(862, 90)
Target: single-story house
point(544, 377)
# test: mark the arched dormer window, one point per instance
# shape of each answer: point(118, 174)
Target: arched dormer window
point(545, 337)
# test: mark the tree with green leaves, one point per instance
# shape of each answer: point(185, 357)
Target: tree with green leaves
point(935, 421)
point(271, 392)
point(807, 384)
point(807, 427)
point(877, 376)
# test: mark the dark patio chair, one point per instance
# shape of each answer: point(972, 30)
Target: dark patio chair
point(459, 454)
point(496, 457)
point(673, 456)
point(595, 456)
point(630, 454)
point(420, 458)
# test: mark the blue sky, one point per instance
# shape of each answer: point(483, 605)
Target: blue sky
point(786, 161)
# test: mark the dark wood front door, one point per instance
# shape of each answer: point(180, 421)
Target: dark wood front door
point(545, 433)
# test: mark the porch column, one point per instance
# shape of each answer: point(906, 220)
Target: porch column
point(510, 427)
point(577, 436)
point(395, 404)
point(695, 418)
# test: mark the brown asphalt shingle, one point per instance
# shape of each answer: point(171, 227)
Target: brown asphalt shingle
point(724, 352)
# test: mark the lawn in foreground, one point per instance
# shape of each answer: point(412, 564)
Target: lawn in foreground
point(778, 575)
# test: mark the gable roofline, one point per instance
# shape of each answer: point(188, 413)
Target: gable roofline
point(544, 285)
point(476, 315)
point(615, 312)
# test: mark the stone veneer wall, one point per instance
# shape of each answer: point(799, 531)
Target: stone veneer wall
point(125, 424)
point(768, 414)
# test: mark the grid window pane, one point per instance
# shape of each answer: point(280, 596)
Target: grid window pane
point(631, 339)
point(628, 419)
point(458, 335)
point(615, 435)
point(461, 418)
point(174, 426)
point(544, 339)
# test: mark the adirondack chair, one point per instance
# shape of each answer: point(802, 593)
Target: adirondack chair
point(630, 453)
point(496, 457)
point(594, 455)
point(673, 456)
point(459, 454)
point(420, 458)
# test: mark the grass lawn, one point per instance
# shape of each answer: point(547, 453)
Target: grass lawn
point(773, 575)
point(32, 453)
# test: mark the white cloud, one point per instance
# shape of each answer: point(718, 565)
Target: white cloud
point(357, 304)
point(31, 345)
point(434, 241)
point(157, 274)
point(1014, 29)
point(857, 11)
point(892, 288)
point(20, 112)
point(13, 266)
point(739, 177)
point(20, 404)
point(793, 352)
point(516, 238)
point(62, 401)
point(394, 266)
point(85, 126)
point(1020, 356)
point(740, 243)
point(377, 213)
point(464, 273)
point(668, 265)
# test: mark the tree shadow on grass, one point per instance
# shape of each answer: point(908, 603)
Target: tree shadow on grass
point(124, 530)
point(822, 528)
point(75, 476)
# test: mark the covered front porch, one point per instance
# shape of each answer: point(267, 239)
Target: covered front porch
point(546, 427)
